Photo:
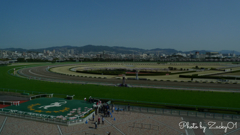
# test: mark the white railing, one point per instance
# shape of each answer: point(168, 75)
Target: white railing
point(40, 95)
point(11, 102)
point(47, 118)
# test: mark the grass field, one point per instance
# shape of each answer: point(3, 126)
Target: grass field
point(234, 74)
point(34, 106)
point(217, 99)
point(65, 69)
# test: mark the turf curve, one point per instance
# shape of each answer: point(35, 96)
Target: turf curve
point(215, 99)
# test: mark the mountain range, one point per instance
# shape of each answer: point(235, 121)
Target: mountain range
point(116, 49)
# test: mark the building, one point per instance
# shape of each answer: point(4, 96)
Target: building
point(72, 51)
point(213, 55)
point(195, 56)
point(1, 53)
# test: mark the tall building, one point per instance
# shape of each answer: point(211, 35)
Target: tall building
point(53, 51)
point(72, 51)
point(1, 53)
point(44, 51)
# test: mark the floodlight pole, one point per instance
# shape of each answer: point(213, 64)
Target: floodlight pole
point(136, 74)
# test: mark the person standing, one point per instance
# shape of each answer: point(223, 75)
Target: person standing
point(103, 120)
point(98, 120)
point(108, 114)
point(96, 111)
point(93, 117)
point(95, 125)
point(128, 107)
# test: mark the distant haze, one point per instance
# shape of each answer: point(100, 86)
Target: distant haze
point(181, 25)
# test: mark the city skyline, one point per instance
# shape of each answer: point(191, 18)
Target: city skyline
point(184, 26)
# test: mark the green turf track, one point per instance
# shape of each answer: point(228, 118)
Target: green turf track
point(33, 106)
point(215, 99)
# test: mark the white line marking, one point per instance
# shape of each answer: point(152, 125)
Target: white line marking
point(232, 131)
point(185, 128)
point(3, 124)
point(60, 131)
point(115, 127)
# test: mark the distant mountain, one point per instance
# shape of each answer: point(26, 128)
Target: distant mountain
point(165, 51)
point(92, 48)
point(116, 49)
point(228, 51)
point(222, 51)
point(15, 49)
point(200, 51)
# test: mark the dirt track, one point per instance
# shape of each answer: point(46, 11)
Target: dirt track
point(41, 72)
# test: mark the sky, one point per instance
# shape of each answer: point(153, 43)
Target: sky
point(183, 25)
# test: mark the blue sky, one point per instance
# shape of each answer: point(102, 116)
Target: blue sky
point(179, 24)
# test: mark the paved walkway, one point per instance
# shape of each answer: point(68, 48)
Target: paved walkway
point(119, 124)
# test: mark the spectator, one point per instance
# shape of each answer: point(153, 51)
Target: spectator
point(98, 120)
point(95, 125)
point(108, 113)
point(102, 120)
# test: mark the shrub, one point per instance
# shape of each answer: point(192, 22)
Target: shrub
point(155, 79)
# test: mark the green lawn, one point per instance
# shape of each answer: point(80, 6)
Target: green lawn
point(37, 106)
point(217, 99)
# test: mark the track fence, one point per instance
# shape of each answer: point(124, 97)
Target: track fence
point(161, 111)
point(168, 104)
point(28, 92)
